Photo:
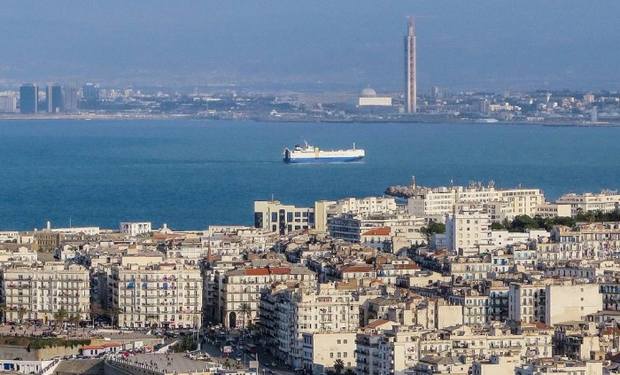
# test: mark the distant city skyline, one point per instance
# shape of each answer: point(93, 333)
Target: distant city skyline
point(344, 45)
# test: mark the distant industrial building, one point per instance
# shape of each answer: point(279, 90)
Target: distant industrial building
point(8, 102)
point(369, 98)
point(28, 98)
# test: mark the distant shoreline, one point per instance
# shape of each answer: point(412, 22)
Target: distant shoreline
point(424, 120)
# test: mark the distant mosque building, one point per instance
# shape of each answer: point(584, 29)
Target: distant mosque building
point(369, 98)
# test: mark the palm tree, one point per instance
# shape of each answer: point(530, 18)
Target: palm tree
point(74, 319)
point(20, 314)
point(60, 316)
point(113, 313)
point(246, 312)
point(3, 310)
point(338, 366)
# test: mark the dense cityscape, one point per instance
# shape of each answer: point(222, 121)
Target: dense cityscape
point(451, 280)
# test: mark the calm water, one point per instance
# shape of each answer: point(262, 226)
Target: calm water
point(190, 173)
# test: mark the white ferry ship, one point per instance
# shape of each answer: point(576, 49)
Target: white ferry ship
point(312, 154)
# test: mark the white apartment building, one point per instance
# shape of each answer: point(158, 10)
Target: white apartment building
point(550, 210)
point(40, 292)
point(21, 254)
point(468, 230)
point(287, 314)
point(526, 302)
point(570, 302)
point(389, 351)
point(606, 201)
point(560, 367)
point(436, 203)
point(253, 239)
point(163, 294)
point(356, 206)
point(588, 241)
point(320, 351)
point(135, 228)
point(277, 217)
point(239, 290)
point(350, 227)
point(476, 341)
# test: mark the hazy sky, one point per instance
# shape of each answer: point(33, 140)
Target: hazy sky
point(485, 44)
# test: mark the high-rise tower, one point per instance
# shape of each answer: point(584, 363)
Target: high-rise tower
point(28, 98)
point(410, 68)
point(55, 102)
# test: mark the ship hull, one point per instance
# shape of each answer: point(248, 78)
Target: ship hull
point(335, 159)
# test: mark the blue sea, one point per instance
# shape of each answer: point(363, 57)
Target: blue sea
point(190, 174)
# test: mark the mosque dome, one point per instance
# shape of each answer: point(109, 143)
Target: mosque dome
point(368, 92)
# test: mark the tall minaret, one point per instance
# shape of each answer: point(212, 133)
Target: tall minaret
point(410, 68)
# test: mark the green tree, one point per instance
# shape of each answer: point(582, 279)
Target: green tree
point(523, 222)
point(433, 227)
point(497, 226)
point(60, 316)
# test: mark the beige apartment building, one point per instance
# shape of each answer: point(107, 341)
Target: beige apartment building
point(282, 218)
point(166, 294)
point(298, 322)
point(437, 202)
point(356, 206)
point(468, 230)
point(46, 292)
point(605, 201)
point(239, 290)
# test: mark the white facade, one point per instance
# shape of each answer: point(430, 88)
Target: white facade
point(322, 350)
point(566, 303)
point(437, 202)
point(8, 102)
point(41, 291)
point(307, 325)
point(356, 206)
point(350, 227)
point(239, 291)
point(468, 230)
point(605, 201)
point(526, 302)
point(277, 217)
point(374, 101)
point(163, 294)
point(135, 228)
point(550, 210)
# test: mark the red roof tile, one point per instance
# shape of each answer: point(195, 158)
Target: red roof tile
point(381, 231)
point(256, 272)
